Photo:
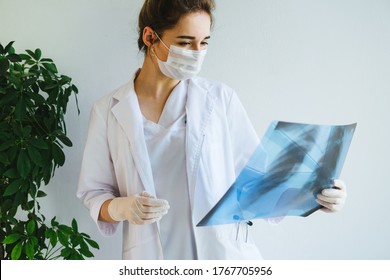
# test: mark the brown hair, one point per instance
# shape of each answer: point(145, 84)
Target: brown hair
point(162, 15)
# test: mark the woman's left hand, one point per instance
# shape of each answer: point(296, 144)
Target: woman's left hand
point(333, 199)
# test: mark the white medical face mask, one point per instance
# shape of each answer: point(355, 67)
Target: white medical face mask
point(181, 64)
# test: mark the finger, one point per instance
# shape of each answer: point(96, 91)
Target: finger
point(150, 216)
point(152, 202)
point(155, 206)
point(138, 217)
point(146, 194)
point(329, 207)
point(331, 199)
point(339, 184)
point(334, 193)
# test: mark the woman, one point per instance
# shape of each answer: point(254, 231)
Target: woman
point(163, 148)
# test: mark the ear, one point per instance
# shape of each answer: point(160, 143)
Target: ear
point(148, 36)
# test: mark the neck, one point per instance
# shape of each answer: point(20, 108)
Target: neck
point(152, 89)
point(151, 83)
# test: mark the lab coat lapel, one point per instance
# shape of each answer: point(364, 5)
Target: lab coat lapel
point(199, 107)
point(129, 117)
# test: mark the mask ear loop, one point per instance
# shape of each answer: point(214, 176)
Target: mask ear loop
point(158, 37)
point(152, 52)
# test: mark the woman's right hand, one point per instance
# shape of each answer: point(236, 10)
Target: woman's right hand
point(138, 209)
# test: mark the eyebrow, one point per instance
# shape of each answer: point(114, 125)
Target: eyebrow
point(190, 37)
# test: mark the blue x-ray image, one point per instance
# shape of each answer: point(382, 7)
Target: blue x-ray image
point(291, 165)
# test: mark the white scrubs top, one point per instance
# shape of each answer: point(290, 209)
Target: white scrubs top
point(165, 142)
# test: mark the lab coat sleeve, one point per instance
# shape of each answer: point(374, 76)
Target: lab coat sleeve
point(243, 136)
point(97, 181)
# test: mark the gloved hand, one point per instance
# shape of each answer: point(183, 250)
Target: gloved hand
point(333, 199)
point(138, 209)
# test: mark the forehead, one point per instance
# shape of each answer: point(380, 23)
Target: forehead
point(196, 24)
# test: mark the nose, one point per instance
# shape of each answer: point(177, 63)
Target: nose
point(198, 46)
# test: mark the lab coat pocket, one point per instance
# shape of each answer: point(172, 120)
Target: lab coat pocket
point(240, 242)
point(246, 250)
point(222, 243)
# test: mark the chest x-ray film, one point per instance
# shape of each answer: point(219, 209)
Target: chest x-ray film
point(291, 165)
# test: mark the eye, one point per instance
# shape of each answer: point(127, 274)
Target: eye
point(185, 43)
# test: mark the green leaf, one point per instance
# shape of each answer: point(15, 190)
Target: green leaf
point(92, 243)
point(8, 47)
point(38, 54)
point(6, 145)
point(51, 67)
point(74, 225)
point(12, 152)
point(51, 234)
point(11, 173)
point(35, 156)
point(34, 68)
point(41, 194)
point(14, 58)
point(39, 100)
point(63, 238)
point(39, 143)
point(24, 56)
point(29, 82)
point(12, 238)
point(17, 251)
point(76, 240)
point(4, 64)
point(65, 79)
point(64, 139)
point(4, 158)
point(54, 222)
point(13, 187)
point(30, 205)
point(85, 250)
point(29, 249)
point(65, 229)
point(58, 155)
point(30, 228)
point(66, 252)
point(85, 235)
point(26, 131)
point(76, 256)
point(23, 164)
point(34, 240)
point(6, 205)
point(75, 89)
point(20, 110)
point(9, 98)
point(31, 53)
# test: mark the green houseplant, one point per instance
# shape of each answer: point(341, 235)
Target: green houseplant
point(33, 102)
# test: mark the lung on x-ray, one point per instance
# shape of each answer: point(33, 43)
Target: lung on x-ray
point(291, 165)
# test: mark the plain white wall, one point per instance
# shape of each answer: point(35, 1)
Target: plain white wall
point(325, 61)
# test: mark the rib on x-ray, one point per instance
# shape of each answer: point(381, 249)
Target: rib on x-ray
point(291, 165)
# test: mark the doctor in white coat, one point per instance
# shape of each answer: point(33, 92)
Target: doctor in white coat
point(164, 148)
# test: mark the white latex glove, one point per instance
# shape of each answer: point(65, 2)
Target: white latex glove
point(333, 199)
point(138, 209)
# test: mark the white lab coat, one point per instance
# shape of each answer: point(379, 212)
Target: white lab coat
point(219, 141)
